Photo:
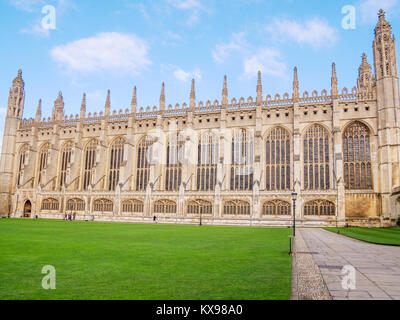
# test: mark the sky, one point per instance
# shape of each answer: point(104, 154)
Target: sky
point(92, 46)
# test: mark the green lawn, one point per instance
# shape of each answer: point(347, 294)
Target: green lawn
point(141, 262)
point(388, 236)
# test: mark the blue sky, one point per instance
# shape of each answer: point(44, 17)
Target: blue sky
point(101, 45)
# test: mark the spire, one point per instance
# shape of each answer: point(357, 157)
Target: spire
point(162, 97)
point(16, 97)
point(108, 103)
point(295, 85)
point(382, 25)
point(259, 89)
point(364, 81)
point(134, 101)
point(225, 92)
point(334, 81)
point(59, 107)
point(193, 96)
point(39, 111)
point(83, 106)
point(18, 81)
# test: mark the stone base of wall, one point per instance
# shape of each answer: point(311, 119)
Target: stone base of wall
point(283, 223)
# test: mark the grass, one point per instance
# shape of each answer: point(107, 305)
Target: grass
point(387, 236)
point(143, 262)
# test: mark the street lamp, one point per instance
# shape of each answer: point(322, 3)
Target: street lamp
point(201, 215)
point(9, 209)
point(294, 198)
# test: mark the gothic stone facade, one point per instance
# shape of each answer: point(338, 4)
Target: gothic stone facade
point(234, 162)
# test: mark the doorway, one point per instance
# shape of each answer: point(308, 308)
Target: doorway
point(27, 209)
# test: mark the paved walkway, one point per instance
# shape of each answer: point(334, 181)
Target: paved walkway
point(377, 267)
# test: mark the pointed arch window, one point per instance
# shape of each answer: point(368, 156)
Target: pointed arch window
point(89, 165)
point(65, 163)
point(132, 206)
point(208, 154)
point(103, 206)
point(357, 157)
point(144, 155)
point(278, 160)
point(43, 159)
point(50, 205)
point(165, 207)
point(175, 158)
point(316, 159)
point(277, 208)
point(76, 205)
point(237, 208)
point(242, 159)
point(319, 208)
point(21, 164)
point(116, 159)
point(198, 207)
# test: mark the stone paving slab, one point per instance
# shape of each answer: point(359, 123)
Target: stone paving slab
point(377, 267)
point(307, 281)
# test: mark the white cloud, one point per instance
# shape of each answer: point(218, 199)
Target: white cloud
point(314, 32)
point(36, 29)
point(184, 76)
point(3, 111)
point(223, 50)
point(268, 61)
point(36, 5)
point(27, 5)
point(194, 7)
point(370, 8)
point(110, 51)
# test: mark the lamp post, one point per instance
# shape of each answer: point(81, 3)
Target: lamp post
point(294, 198)
point(201, 215)
point(9, 209)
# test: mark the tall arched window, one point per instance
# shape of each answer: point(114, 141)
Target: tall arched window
point(175, 157)
point(242, 161)
point(316, 159)
point(200, 207)
point(237, 208)
point(164, 207)
point(144, 154)
point(357, 157)
point(90, 160)
point(319, 208)
point(21, 163)
point(65, 161)
point(276, 208)
point(43, 158)
point(278, 160)
point(208, 154)
point(116, 159)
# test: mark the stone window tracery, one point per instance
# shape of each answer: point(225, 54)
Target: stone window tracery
point(316, 159)
point(89, 165)
point(278, 160)
point(319, 208)
point(144, 154)
point(208, 154)
point(116, 159)
point(237, 208)
point(242, 159)
point(277, 208)
point(357, 157)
